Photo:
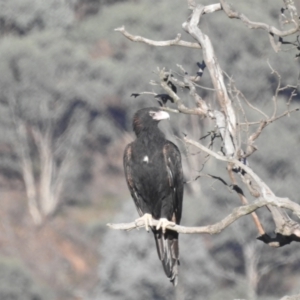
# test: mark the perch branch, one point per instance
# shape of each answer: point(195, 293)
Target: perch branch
point(237, 213)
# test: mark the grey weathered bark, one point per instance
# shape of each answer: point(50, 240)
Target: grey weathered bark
point(237, 213)
point(225, 119)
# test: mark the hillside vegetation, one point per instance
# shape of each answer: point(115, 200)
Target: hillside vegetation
point(65, 112)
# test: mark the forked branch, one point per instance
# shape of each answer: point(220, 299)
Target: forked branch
point(286, 229)
point(273, 31)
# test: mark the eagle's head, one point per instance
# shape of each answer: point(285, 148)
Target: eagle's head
point(146, 118)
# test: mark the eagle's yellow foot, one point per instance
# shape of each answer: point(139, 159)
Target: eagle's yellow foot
point(147, 219)
point(163, 223)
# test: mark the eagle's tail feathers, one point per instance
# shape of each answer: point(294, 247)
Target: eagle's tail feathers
point(168, 252)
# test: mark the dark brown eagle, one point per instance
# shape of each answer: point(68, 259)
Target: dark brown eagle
point(154, 176)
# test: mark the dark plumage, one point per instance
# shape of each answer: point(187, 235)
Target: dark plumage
point(153, 173)
point(201, 66)
point(134, 95)
point(163, 99)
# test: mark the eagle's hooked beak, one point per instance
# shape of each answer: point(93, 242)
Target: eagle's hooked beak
point(161, 115)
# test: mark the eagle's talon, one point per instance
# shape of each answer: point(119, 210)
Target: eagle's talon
point(163, 223)
point(147, 219)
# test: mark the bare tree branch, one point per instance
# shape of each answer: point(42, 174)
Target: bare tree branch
point(244, 200)
point(284, 225)
point(238, 212)
point(211, 229)
point(293, 297)
point(217, 78)
point(200, 110)
point(225, 118)
point(232, 13)
point(175, 42)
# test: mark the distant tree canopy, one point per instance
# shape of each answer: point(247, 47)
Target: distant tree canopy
point(22, 18)
point(51, 113)
point(18, 283)
point(65, 86)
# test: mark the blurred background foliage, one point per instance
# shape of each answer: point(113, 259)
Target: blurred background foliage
point(64, 67)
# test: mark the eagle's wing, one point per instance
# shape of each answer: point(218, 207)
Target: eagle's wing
point(175, 174)
point(127, 162)
point(167, 243)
